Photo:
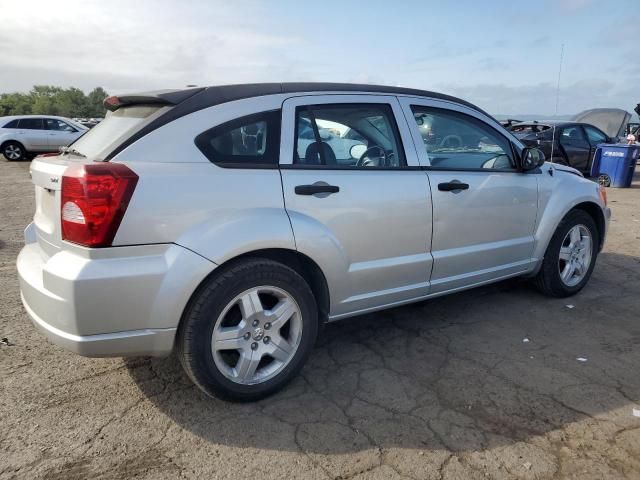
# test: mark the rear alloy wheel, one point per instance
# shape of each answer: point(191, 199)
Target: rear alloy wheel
point(248, 330)
point(570, 256)
point(13, 151)
point(256, 335)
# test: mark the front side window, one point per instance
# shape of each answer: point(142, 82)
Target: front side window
point(595, 136)
point(573, 136)
point(363, 135)
point(454, 140)
point(58, 125)
point(245, 142)
point(31, 124)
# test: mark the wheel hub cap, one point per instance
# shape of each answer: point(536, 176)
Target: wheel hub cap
point(258, 333)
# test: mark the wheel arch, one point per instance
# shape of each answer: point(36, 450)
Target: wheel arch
point(545, 234)
point(595, 212)
point(299, 262)
point(11, 140)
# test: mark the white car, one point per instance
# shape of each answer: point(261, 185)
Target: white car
point(206, 221)
point(25, 136)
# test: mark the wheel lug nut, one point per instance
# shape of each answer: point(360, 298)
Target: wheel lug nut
point(256, 323)
point(254, 345)
point(247, 336)
point(267, 339)
point(267, 326)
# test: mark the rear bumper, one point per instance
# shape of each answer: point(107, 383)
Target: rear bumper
point(153, 342)
point(126, 302)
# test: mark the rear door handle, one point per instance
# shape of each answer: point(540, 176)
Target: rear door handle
point(452, 186)
point(313, 189)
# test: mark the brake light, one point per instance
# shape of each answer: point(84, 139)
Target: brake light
point(94, 200)
point(112, 103)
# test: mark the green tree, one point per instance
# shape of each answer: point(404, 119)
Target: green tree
point(15, 103)
point(52, 100)
point(94, 100)
point(44, 100)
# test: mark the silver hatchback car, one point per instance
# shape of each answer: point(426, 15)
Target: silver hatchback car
point(230, 223)
point(26, 136)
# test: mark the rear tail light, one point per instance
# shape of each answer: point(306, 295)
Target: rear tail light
point(94, 200)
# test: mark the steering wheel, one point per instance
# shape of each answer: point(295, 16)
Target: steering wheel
point(364, 159)
point(455, 138)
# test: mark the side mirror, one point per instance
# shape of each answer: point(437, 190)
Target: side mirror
point(531, 158)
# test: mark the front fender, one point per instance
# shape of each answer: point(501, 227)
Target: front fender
point(558, 195)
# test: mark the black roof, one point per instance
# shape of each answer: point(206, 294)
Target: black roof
point(190, 100)
point(199, 98)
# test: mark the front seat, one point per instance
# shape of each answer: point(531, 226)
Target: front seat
point(312, 155)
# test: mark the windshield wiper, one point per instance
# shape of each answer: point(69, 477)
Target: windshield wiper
point(72, 151)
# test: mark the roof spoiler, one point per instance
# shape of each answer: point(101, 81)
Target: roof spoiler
point(158, 97)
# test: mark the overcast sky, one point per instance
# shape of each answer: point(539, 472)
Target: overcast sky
point(502, 55)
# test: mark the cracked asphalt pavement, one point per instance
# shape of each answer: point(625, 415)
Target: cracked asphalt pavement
point(443, 389)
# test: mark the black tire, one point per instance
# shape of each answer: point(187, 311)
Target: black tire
point(15, 146)
point(193, 343)
point(548, 279)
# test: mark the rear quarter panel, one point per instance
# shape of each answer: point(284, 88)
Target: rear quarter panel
point(183, 198)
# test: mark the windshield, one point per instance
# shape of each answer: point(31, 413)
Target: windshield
point(115, 128)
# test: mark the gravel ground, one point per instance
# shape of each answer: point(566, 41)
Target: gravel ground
point(442, 389)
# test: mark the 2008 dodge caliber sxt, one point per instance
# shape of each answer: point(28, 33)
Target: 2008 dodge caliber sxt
point(230, 222)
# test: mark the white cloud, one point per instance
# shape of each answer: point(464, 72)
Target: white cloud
point(143, 42)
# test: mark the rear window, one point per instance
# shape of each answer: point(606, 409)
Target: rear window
point(113, 130)
point(12, 124)
point(247, 142)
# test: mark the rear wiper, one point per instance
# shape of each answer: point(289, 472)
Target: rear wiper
point(72, 151)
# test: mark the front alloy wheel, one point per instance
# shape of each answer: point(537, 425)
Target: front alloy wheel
point(575, 255)
point(570, 256)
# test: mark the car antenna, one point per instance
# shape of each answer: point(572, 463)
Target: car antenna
point(553, 131)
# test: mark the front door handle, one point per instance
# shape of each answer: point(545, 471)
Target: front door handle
point(453, 186)
point(316, 188)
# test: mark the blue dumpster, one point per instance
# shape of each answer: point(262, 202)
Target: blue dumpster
point(614, 164)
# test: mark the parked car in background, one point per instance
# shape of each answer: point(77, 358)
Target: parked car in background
point(567, 143)
point(508, 122)
point(611, 121)
point(23, 137)
point(230, 223)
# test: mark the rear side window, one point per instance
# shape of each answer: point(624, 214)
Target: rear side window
point(31, 124)
point(12, 124)
point(247, 142)
point(347, 135)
